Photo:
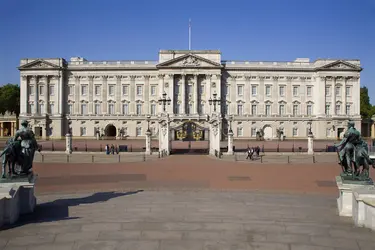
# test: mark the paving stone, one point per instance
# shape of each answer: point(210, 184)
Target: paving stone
point(138, 245)
point(202, 235)
point(269, 246)
point(308, 230)
point(287, 238)
point(29, 240)
point(181, 245)
point(80, 236)
point(367, 236)
point(341, 243)
point(309, 247)
point(264, 228)
point(223, 226)
point(95, 245)
point(96, 227)
point(183, 226)
point(3, 242)
point(119, 235)
point(161, 235)
point(144, 226)
point(14, 248)
point(56, 246)
point(366, 245)
point(224, 245)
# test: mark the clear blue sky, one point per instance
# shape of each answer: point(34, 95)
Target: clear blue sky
point(278, 30)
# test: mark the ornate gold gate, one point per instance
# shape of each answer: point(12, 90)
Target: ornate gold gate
point(189, 131)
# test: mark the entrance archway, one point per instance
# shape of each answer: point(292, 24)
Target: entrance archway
point(190, 138)
point(267, 132)
point(110, 130)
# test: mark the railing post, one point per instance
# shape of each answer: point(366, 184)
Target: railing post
point(119, 158)
point(313, 158)
point(144, 157)
point(92, 158)
point(288, 159)
point(261, 159)
point(42, 158)
point(67, 158)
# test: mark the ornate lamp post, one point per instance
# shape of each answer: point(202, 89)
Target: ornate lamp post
point(310, 124)
point(214, 101)
point(164, 101)
point(148, 123)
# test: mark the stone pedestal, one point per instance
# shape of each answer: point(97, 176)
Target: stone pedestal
point(230, 142)
point(68, 144)
point(358, 207)
point(369, 207)
point(16, 198)
point(97, 136)
point(345, 199)
point(148, 142)
point(215, 133)
point(310, 144)
point(164, 134)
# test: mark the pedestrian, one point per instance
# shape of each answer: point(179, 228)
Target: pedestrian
point(112, 149)
point(248, 153)
point(107, 149)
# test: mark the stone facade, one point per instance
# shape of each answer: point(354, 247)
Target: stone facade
point(8, 124)
point(116, 97)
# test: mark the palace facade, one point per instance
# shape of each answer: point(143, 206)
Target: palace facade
point(117, 98)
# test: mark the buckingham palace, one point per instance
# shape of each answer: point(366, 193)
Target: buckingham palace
point(122, 98)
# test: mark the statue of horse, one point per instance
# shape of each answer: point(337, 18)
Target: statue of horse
point(11, 156)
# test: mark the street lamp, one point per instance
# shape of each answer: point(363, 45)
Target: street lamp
point(214, 101)
point(164, 101)
point(310, 124)
point(230, 124)
point(148, 123)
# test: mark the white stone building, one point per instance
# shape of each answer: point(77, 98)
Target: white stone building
point(83, 96)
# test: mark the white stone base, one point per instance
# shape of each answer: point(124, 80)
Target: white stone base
point(369, 208)
point(16, 198)
point(345, 199)
point(359, 210)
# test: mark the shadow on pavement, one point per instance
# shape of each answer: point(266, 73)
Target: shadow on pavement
point(58, 210)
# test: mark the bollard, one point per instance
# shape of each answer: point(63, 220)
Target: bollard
point(101, 150)
point(42, 158)
point(144, 157)
point(119, 158)
point(92, 158)
point(67, 158)
point(261, 159)
point(313, 158)
point(288, 159)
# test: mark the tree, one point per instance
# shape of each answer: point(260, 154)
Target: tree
point(10, 98)
point(367, 110)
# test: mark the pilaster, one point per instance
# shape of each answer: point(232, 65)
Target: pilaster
point(46, 95)
point(147, 91)
point(77, 94)
point(171, 93)
point(196, 94)
point(247, 94)
point(233, 94)
point(118, 94)
point(132, 95)
point(208, 93)
point(34, 80)
point(24, 100)
point(183, 94)
point(91, 94)
point(333, 96)
point(104, 94)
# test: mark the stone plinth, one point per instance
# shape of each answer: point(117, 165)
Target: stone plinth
point(230, 142)
point(369, 212)
point(310, 144)
point(16, 198)
point(148, 142)
point(359, 206)
point(68, 144)
point(345, 199)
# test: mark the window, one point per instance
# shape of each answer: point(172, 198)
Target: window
point(97, 90)
point(190, 89)
point(41, 90)
point(338, 109)
point(268, 109)
point(52, 90)
point(125, 89)
point(253, 132)
point(309, 109)
point(153, 90)
point(347, 91)
point(201, 108)
point(139, 109)
point(281, 109)
point(295, 109)
point(83, 109)
point(138, 131)
point(328, 132)
point(32, 90)
point(70, 109)
point(328, 92)
point(153, 109)
point(31, 108)
point(41, 108)
point(71, 90)
point(125, 109)
point(225, 109)
point(295, 131)
point(268, 90)
point(239, 131)
point(295, 90)
point(282, 90)
point(309, 91)
point(239, 109)
point(139, 90)
point(254, 109)
point(97, 110)
point(111, 89)
point(240, 90)
point(125, 131)
point(201, 89)
point(111, 108)
point(177, 108)
point(83, 131)
point(253, 90)
point(190, 108)
point(347, 109)
point(84, 90)
point(328, 107)
point(51, 108)
point(337, 91)
point(227, 90)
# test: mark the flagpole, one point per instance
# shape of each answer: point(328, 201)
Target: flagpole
point(189, 34)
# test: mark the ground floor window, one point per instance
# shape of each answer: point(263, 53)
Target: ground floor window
point(253, 132)
point(239, 131)
point(295, 131)
point(83, 131)
point(138, 131)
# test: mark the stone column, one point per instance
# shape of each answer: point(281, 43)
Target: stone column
point(208, 94)
point(148, 142)
point(196, 94)
point(373, 130)
point(233, 94)
point(68, 144)
point(319, 96)
point(215, 133)
point(161, 84)
point(183, 94)
point(343, 94)
point(164, 134)
point(104, 95)
point(118, 94)
point(1, 129)
point(230, 142)
point(46, 96)
point(247, 95)
point(24, 89)
point(310, 144)
point(91, 95)
point(289, 96)
point(333, 96)
point(76, 95)
point(61, 101)
point(132, 110)
point(147, 91)
point(171, 93)
point(36, 103)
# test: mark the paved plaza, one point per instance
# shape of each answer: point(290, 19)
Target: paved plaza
point(186, 202)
